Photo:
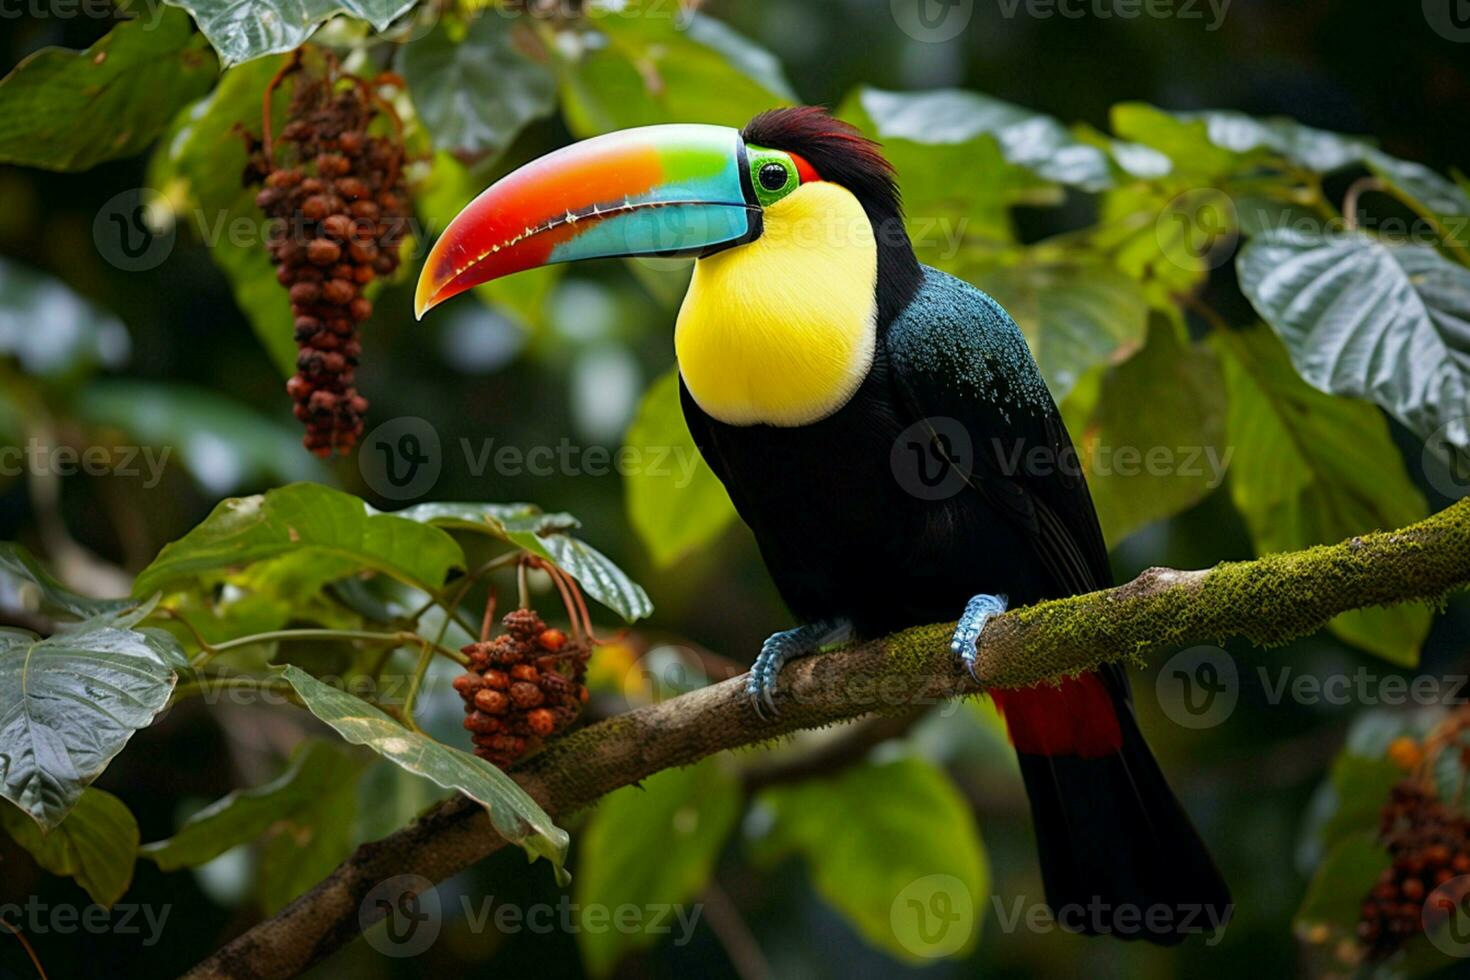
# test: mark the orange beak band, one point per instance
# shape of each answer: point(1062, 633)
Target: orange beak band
point(658, 190)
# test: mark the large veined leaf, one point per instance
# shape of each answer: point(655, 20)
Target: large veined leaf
point(1311, 469)
point(1075, 315)
point(652, 845)
point(315, 768)
point(70, 110)
point(26, 586)
point(515, 816)
point(197, 169)
point(69, 703)
point(1154, 443)
point(244, 29)
point(223, 444)
point(305, 517)
point(639, 68)
point(1442, 200)
point(883, 842)
point(78, 338)
point(529, 527)
point(1370, 320)
point(675, 502)
point(1032, 140)
point(96, 844)
point(476, 93)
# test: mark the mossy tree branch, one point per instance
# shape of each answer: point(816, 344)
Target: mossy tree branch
point(1267, 601)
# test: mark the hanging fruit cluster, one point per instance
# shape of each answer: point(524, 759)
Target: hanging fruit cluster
point(333, 187)
point(1429, 842)
point(523, 685)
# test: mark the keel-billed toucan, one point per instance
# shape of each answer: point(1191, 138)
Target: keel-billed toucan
point(825, 372)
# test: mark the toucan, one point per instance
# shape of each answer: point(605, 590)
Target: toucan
point(883, 429)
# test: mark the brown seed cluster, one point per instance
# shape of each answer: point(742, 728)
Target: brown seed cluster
point(338, 206)
point(523, 685)
point(1430, 846)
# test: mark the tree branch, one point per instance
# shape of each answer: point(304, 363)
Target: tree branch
point(1267, 601)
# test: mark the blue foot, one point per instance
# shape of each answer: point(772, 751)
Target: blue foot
point(977, 613)
point(788, 645)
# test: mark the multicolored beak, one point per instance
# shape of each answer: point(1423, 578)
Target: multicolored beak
point(658, 190)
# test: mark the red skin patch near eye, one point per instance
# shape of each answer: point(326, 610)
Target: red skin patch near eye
point(1075, 718)
point(805, 171)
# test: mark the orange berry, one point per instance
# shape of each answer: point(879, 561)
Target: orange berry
point(552, 639)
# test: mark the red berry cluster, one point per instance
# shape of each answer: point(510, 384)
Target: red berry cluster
point(525, 684)
point(1430, 846)
point(338, 207)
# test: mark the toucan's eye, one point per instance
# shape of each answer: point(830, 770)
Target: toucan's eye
point(774, 176)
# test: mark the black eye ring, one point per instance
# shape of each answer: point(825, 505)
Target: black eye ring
point(773, 176)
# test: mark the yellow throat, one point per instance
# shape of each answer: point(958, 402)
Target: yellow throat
point(781, 331)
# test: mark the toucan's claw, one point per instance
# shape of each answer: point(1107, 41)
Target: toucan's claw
point(781, 647)
point(978, 612)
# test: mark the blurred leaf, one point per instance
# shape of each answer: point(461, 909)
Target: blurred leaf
point(872, 836)
point(642, 67)
point(1217, 142)
point(1312, 469)
point(527, 526)
point(26, 586)
point(316, 767)
point(1027, 139)
point(649, 846)
point(306, 844)
point(96, 844)
point(1370, 320)
point(476, 93)
point(1155, 443)
point(242, 31)
point(1076, 315)
point(1167, 235)
point(1360, 787)
point(680, 506)
point(389, 798)
point(78, 338)
point(198, 167)
point(1186, 142)
point(69, 703)
point(1429, 194)
point(515, 816)
point(224, 444)
point(70, 110)
point(331, 525)
point(1335, 896)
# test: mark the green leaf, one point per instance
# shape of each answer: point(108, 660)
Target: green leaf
point(310, 843)
point(1312, 469)
point(332, 525)
point(224, 444)
point(476, 93)
point(1442, 200)
point(1360, 785)
point(527, 526)
point(96, 844)
point(26, 586)
point(68, 705)
point(241, 31)
point(515, 816)
point(70, 110)
point(680, 506)
point(316, 768)
point(1216, 142)
point(655, 844)
point(1335, 895)
point(640, 68)
point(1076, 315)
point(1186, 142)
point(1362, 318)
point(79, 336)
point(1027, 139)
point(197, 168)
point(880, 837)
